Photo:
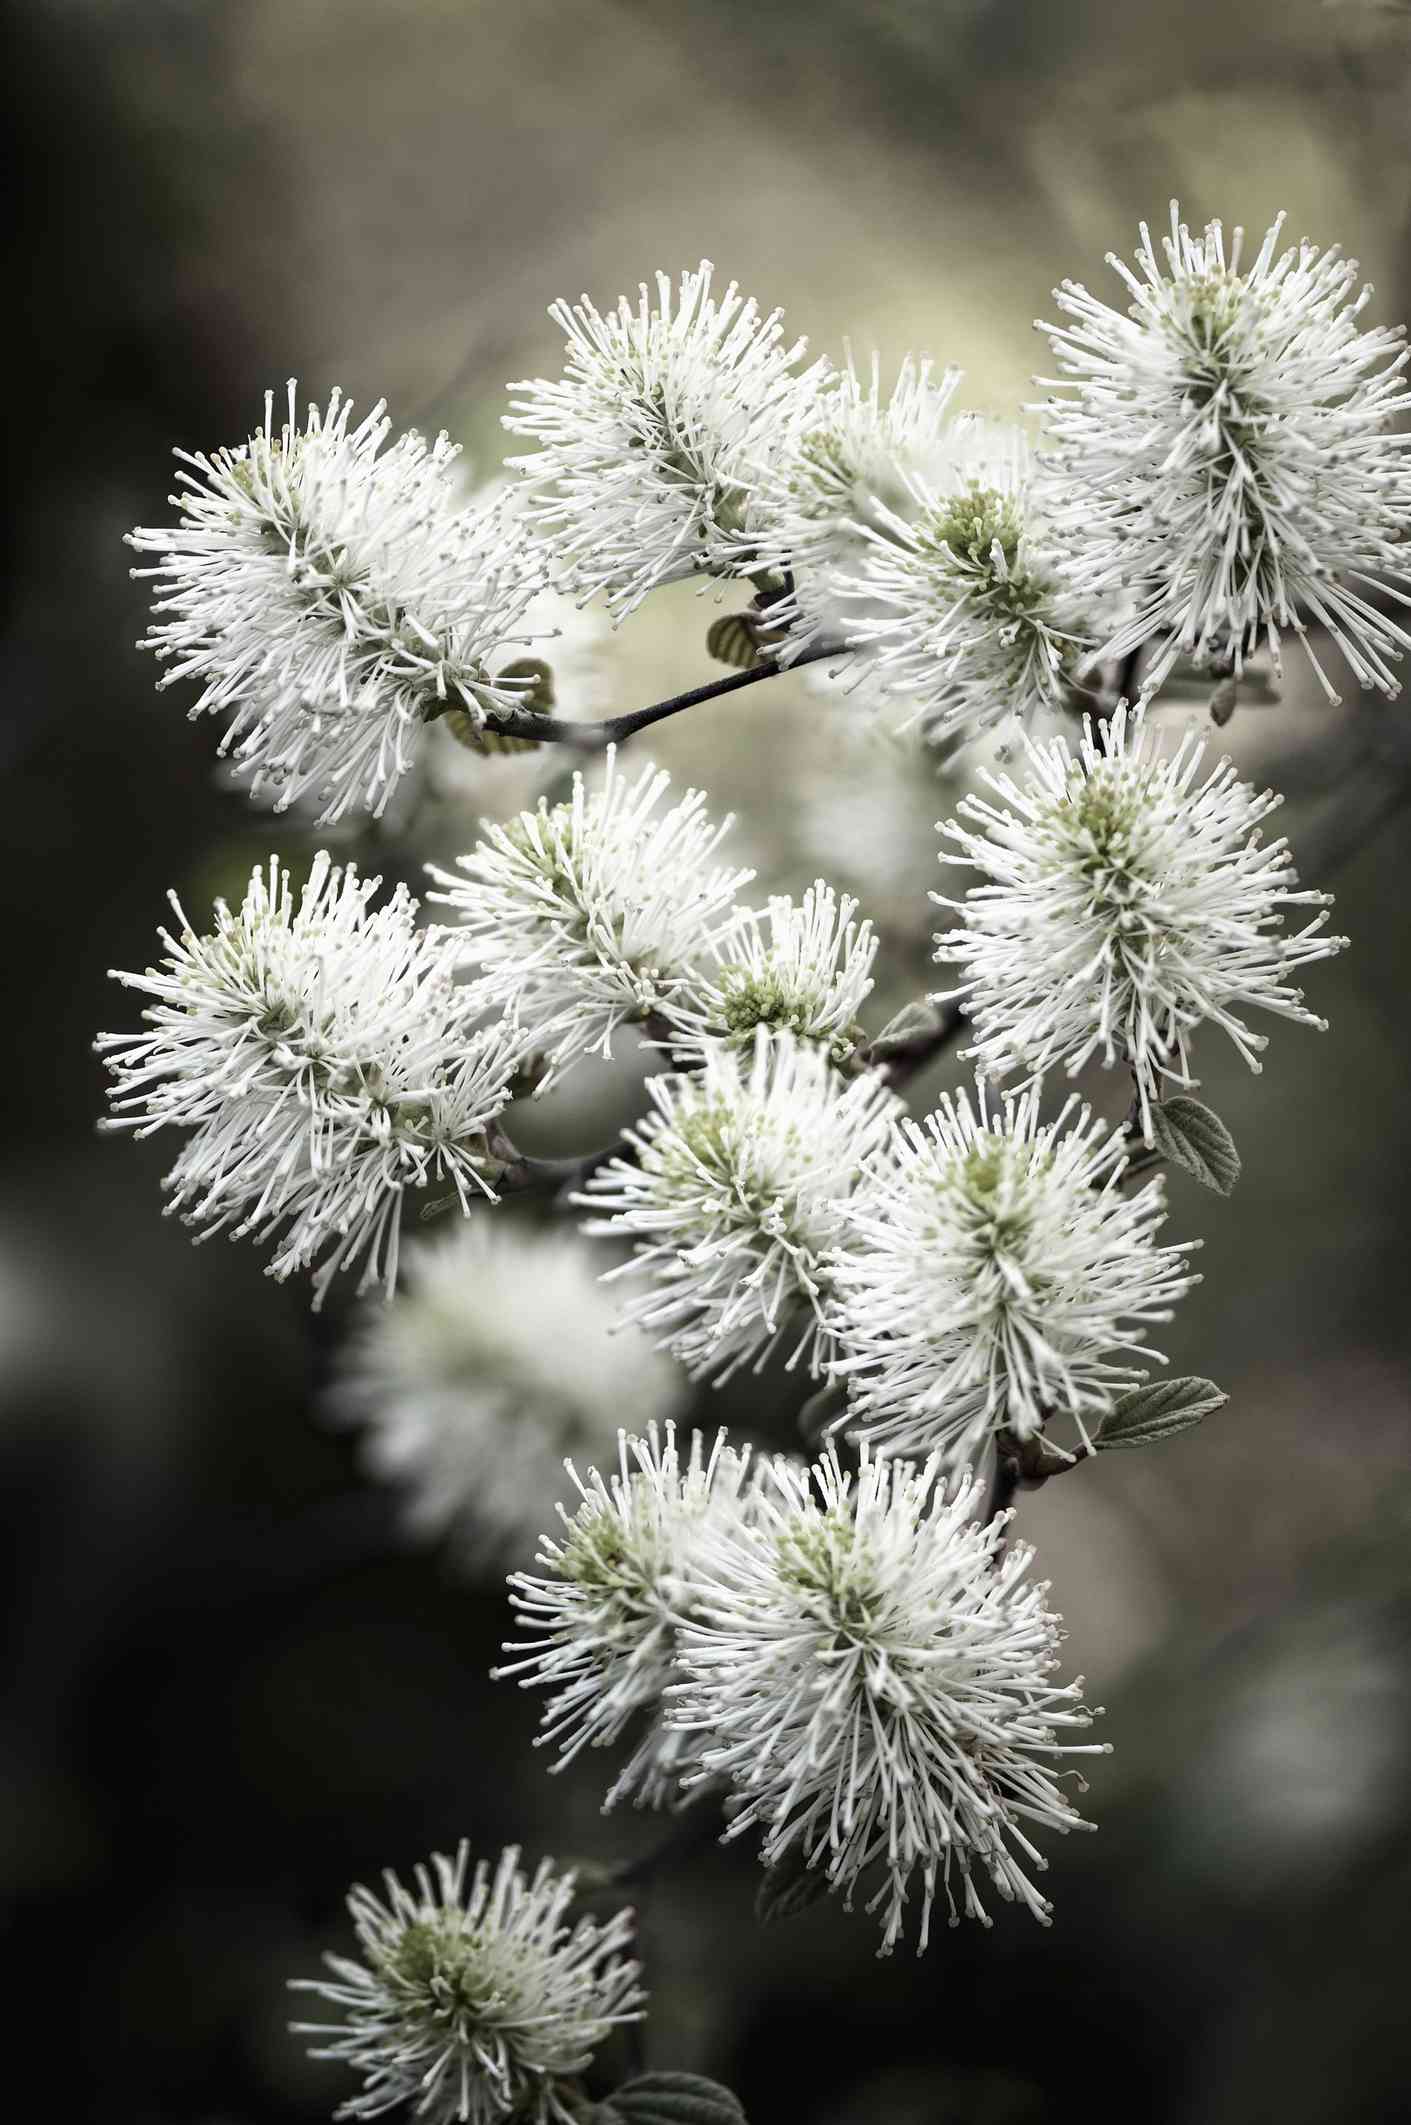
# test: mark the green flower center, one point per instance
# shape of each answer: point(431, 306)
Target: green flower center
point(975, 521)
point(437, 1968)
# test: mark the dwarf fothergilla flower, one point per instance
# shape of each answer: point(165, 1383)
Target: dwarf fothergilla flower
point(470, 1407)
point(600, 1620)
point(647, 443)
point(477, 2000)
point(330, 595)
point(996, 1275)
point(588, 915)
point(734, 1199)
point(871, 1669)
point(323, 1061)
point(963, 599)
point(1128, 898)
point(1227, 454)
point(798, 966)
point(847, 472)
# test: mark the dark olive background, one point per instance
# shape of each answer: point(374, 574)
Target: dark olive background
point(232, 1689)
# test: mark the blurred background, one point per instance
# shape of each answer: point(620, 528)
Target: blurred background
point(233, 1685)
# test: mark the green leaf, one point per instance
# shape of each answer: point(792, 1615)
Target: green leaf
point(675, 2099)
point(788, 1887)
point(915, 1025)
point(1193, 1136)
point(1158, 1411)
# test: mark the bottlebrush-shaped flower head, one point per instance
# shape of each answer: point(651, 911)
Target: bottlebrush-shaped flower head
point(1228, 453)
point(477, 2000)
point(872, 1670)
point(331, 595)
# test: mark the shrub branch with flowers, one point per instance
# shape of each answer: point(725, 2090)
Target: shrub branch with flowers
point(841, 1650)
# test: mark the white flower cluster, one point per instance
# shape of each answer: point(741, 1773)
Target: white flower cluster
point(322, 1061)
point(607, 910)
point(801, 967)
point(1128, 899)
point(470, 1407)
point(996, 1274)
point(601, 1621)
point(588, 915)
point(966, 605)
point(331, 596)
point(736, 1195)
point(1229, 455)
point(1222, 463)
point(648, 444)
point(871, 1674)
point(926, 540)
point(848, 473)
point(855, 1660)
point(476, 2001)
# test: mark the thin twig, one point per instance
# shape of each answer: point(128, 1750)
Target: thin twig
point(593, 737)
point(529, 1171)
point(1003, 1484)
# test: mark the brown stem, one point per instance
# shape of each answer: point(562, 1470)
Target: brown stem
point(593, 737)
point(529, 1171)
point(1003, 1485)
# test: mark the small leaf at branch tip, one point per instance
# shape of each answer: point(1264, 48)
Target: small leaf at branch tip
point(1193, 1137)
point(674, 2099)
point(1223, 702)
point(1159, 1410)
point(914, 1024)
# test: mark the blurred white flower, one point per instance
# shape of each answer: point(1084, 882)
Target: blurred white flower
point(644, 472)
point(866, 1665)
point(330, 596)
point(996, 1275)
point(496, 1360)
point(476, 2001)
point(962, 599)
point(1127, 900)
point(601, 1622)
point(588, 915)
point(801, 967)
point(324, 1062)
point(864, 804)
point(1229, 453)
point(735, 1197)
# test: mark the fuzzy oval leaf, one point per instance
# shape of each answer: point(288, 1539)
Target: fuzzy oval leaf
point(1193, 1137)
point(676, 2099)
point(1159, 1410)
point(915, 1025)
